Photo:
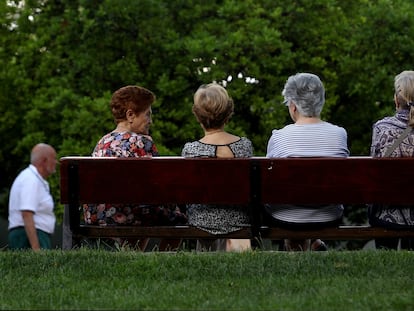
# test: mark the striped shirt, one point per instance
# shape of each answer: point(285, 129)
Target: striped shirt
point(321, 139)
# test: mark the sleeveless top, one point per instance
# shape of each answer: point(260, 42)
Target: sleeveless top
point(241, 149)
point(218, 219)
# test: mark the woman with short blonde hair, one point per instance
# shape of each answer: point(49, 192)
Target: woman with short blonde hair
point(213, 109)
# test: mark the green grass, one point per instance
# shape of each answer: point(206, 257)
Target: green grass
point(97, 280)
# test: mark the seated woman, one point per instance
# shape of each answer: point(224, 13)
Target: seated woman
point(393, 137)
point(309, 136)
point(131, 109)
point(213, 108)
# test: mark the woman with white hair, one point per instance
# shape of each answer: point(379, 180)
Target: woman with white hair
point(308, 136)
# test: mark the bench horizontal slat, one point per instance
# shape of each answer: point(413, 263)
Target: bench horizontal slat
point(187, 232)
point(182, 232)
point(363, 232)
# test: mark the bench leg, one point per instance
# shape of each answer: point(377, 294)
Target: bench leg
point(67, 236)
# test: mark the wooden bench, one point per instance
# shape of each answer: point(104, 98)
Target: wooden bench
point(254, 181)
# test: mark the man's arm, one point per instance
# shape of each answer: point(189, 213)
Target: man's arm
point(30, 228)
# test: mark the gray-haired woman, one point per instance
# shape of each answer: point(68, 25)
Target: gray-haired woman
point(308, 136)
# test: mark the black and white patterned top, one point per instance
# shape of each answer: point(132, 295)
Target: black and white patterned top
point(241, 148)
point(218, 219)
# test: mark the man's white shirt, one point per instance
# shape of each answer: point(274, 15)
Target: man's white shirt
point(30, 192)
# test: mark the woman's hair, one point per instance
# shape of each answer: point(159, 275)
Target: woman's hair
point(212, 107)
point(307, 92)
point(404, 92)
point(133, 97)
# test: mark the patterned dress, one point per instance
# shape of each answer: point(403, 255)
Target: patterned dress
point(218, 219)
point(384, 133)
point(129, 144)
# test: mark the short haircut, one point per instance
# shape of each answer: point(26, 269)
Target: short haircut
point(133, 97)
point(307, 92)
point(212, 107)
point(40, 152)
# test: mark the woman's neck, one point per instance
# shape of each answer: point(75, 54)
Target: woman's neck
point(122, 127)
point(212, 132)
point(307, 120)
point(217, 137)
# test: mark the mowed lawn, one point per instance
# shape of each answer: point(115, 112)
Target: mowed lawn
point(101, 280)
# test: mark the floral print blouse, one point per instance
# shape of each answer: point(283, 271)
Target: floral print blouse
point(125, 145)
point(129, 144)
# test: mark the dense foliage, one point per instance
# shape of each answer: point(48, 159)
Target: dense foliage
point(61, 60)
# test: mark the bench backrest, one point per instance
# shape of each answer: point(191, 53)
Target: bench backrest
point(158, 180)
point(237, 181)
point(337, 180)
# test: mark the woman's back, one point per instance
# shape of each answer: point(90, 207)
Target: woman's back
point(239, 147)
point(218, 219)
point(321, 139)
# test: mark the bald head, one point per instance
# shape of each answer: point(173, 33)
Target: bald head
point(43, 156)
